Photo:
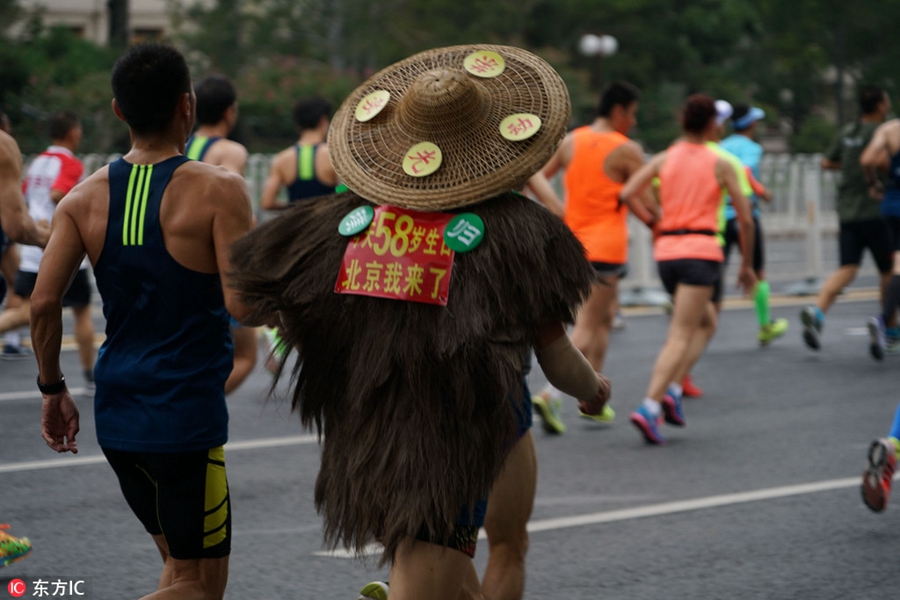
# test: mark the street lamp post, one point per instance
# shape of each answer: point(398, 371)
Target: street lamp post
point(599, 46)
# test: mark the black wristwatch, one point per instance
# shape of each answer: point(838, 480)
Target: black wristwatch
point(53, 388)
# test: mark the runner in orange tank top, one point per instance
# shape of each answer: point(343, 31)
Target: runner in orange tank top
point(598, 159)
point(688, 254)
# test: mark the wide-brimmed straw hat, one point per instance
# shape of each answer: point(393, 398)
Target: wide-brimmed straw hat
point(449, 127)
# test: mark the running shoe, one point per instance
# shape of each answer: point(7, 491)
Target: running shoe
point(892, 340)
point(671, 404)
point(812, 326)
point(11, 352)
point(548, 409)
point(12, 548)
point(774, 330)
point(607, 415)
point(877, 338)
point(377, 590)
point(275, 349)
point(688, 389)
point(877, 478)
point(648, 425)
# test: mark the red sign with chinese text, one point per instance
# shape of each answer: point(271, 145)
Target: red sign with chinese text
point(401, 256)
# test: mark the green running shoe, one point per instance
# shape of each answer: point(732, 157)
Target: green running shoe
point(12, 548)
point(548, 409)
point(773, 330)
point(607, 415)
point(377, 590)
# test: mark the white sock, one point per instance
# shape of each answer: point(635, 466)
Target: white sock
point(653, 406)
point(12, 338)
point(676, 387)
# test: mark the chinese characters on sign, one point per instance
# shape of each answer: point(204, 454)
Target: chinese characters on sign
point(484, 64)
point(371, 105)
point(464, 232)
point(401, 256)
point(422, 159)
point(520, 126)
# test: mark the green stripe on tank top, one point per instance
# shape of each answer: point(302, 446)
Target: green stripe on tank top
point(144, 205)
point(129, 194)
point(196, 148)
point(135, 206)
point(306, 166)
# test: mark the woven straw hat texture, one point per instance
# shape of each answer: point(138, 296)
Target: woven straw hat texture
point(434, 99)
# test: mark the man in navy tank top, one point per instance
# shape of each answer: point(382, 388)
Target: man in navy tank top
point(162, 269)
point(304, 168)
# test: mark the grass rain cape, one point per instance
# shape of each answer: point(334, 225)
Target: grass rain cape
point(413, 401)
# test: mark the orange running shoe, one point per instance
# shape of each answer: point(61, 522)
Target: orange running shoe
point(690, 390)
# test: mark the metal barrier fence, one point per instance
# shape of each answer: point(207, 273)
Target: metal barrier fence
point(802, 209)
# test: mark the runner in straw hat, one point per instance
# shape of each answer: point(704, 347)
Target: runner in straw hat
point(413, 297)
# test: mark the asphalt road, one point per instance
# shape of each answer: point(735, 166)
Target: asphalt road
point(758, 497)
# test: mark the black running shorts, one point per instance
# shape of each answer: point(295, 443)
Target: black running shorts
point(78, 294)
point(873, 234)
point(894, 228)
point(691, 271)
point(732, 239)
point(607, 270)
point(180, 495)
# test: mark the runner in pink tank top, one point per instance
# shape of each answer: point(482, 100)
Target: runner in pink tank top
point(689, 255)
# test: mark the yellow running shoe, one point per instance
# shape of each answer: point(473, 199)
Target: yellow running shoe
point(548, 409)
point(377, 590)
point(607, 415)
point(775, 329)
point(12, 548)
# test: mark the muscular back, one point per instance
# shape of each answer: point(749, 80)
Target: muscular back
point(203, 210)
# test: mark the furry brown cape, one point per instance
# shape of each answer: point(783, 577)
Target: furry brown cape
point(414, 400)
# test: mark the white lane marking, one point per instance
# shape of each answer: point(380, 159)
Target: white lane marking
point(78, 461)
point(653, 510)
point(36, 395)
point(856, 331)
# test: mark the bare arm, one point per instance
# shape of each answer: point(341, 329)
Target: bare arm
point(877, 153)
point(545, 194)
point(232, 220)
point(269, 198)
point(727, 178)
point(65, 250)
point(636, 193)
point(877, 156)
point(643, 204)
point(14, 217)
point(568, 369)
point(560, 158)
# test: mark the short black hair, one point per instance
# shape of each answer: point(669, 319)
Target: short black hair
point(740, 111)
point(617, 93)
point(870, 96)
point(309, 111)
point(147, 82)
point(699, 110)
point(215, 95)
point(61, 123)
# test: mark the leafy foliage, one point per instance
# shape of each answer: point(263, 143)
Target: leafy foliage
point(800, 59)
